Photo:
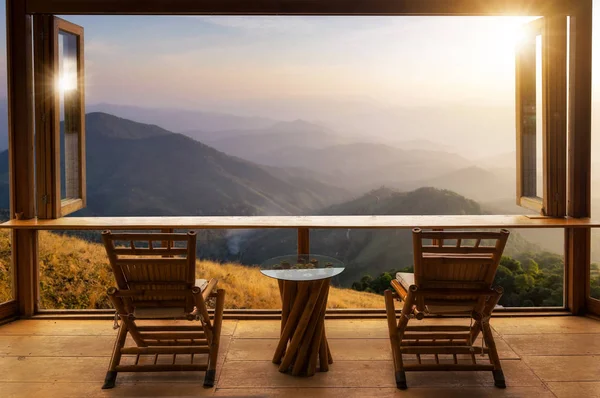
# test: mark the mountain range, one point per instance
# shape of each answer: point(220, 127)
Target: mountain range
point(175, 119)
point(257, 144)
point(355, 166)
point(140, 169)
point(137, 169)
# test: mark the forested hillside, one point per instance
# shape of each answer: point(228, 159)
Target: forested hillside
point(529, 279)
point(139, 169)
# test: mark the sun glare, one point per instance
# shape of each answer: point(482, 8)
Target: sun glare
point(510, 32)
point(67, 82)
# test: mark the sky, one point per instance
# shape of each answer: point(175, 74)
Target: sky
point(393, 61)
point(318, 68)
point(193, 61)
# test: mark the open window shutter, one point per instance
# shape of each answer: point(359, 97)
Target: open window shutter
point(60, 116)
point(550, 200)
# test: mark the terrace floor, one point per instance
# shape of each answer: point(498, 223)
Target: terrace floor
point(546, 356)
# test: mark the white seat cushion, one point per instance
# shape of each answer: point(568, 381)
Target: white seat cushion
point(201, 283)
point(406, 279)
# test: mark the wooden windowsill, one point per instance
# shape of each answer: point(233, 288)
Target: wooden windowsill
point(312, 222)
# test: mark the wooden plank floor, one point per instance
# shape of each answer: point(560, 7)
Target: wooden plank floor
point(542, 357)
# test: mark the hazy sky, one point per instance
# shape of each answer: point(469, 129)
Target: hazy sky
point(309, 67)
point(191, 61)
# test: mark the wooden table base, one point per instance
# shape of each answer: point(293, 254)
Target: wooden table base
point(303, 342)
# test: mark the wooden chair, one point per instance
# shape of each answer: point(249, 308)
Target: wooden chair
point(155, 274)
point(453, 275)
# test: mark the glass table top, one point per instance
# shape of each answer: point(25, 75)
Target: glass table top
point(302, 267)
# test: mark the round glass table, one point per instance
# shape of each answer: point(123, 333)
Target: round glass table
point(304, 281)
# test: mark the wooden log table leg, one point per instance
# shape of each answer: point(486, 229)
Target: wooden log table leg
point(303, 342)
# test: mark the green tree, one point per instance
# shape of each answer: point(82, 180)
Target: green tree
point(524, 282)
point(538, 283)
point(511, 264)
point(532, 268)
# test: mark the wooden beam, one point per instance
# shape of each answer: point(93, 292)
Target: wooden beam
point(580, 112)
point(25, 258)
point(577, 260)
point(554, 109)
point(579, 156)
point(47, 141)
point(303, 241)
point(303, 7)
point(296, 222)
point(21, 151)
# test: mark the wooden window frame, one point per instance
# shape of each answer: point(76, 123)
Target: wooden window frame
point(553, 202)
point(301, 7)
point(50, 205)
point(21, 116)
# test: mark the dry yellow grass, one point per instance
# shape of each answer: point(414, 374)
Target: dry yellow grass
point(75, 274)
point(247, 288)
point(5, 267)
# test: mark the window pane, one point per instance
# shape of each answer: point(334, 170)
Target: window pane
point(70, 115)
point(529, 65)
point(441, 142)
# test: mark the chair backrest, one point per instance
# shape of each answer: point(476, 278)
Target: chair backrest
point(161, 262)
point(457, 259)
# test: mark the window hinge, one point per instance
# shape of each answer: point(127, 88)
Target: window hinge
point(45, 198)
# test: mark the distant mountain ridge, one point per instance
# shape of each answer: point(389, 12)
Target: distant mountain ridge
point(361, 166)
point(140, 169)
point(110, 126)
point(255, 144)
point(181, 119)
point(473, 182)
point(166, 173)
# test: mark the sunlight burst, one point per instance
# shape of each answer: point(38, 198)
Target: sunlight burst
point(67, 82)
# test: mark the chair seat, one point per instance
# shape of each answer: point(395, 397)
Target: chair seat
point(406, 279)
point(159, 313)
point(166, 312)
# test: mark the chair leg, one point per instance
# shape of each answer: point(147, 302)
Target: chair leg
point(493, 353)
point(401, 380)
point(110, 380)
point(499, 378)
point(209, 378)
point(399, 373)
point(111, 374)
